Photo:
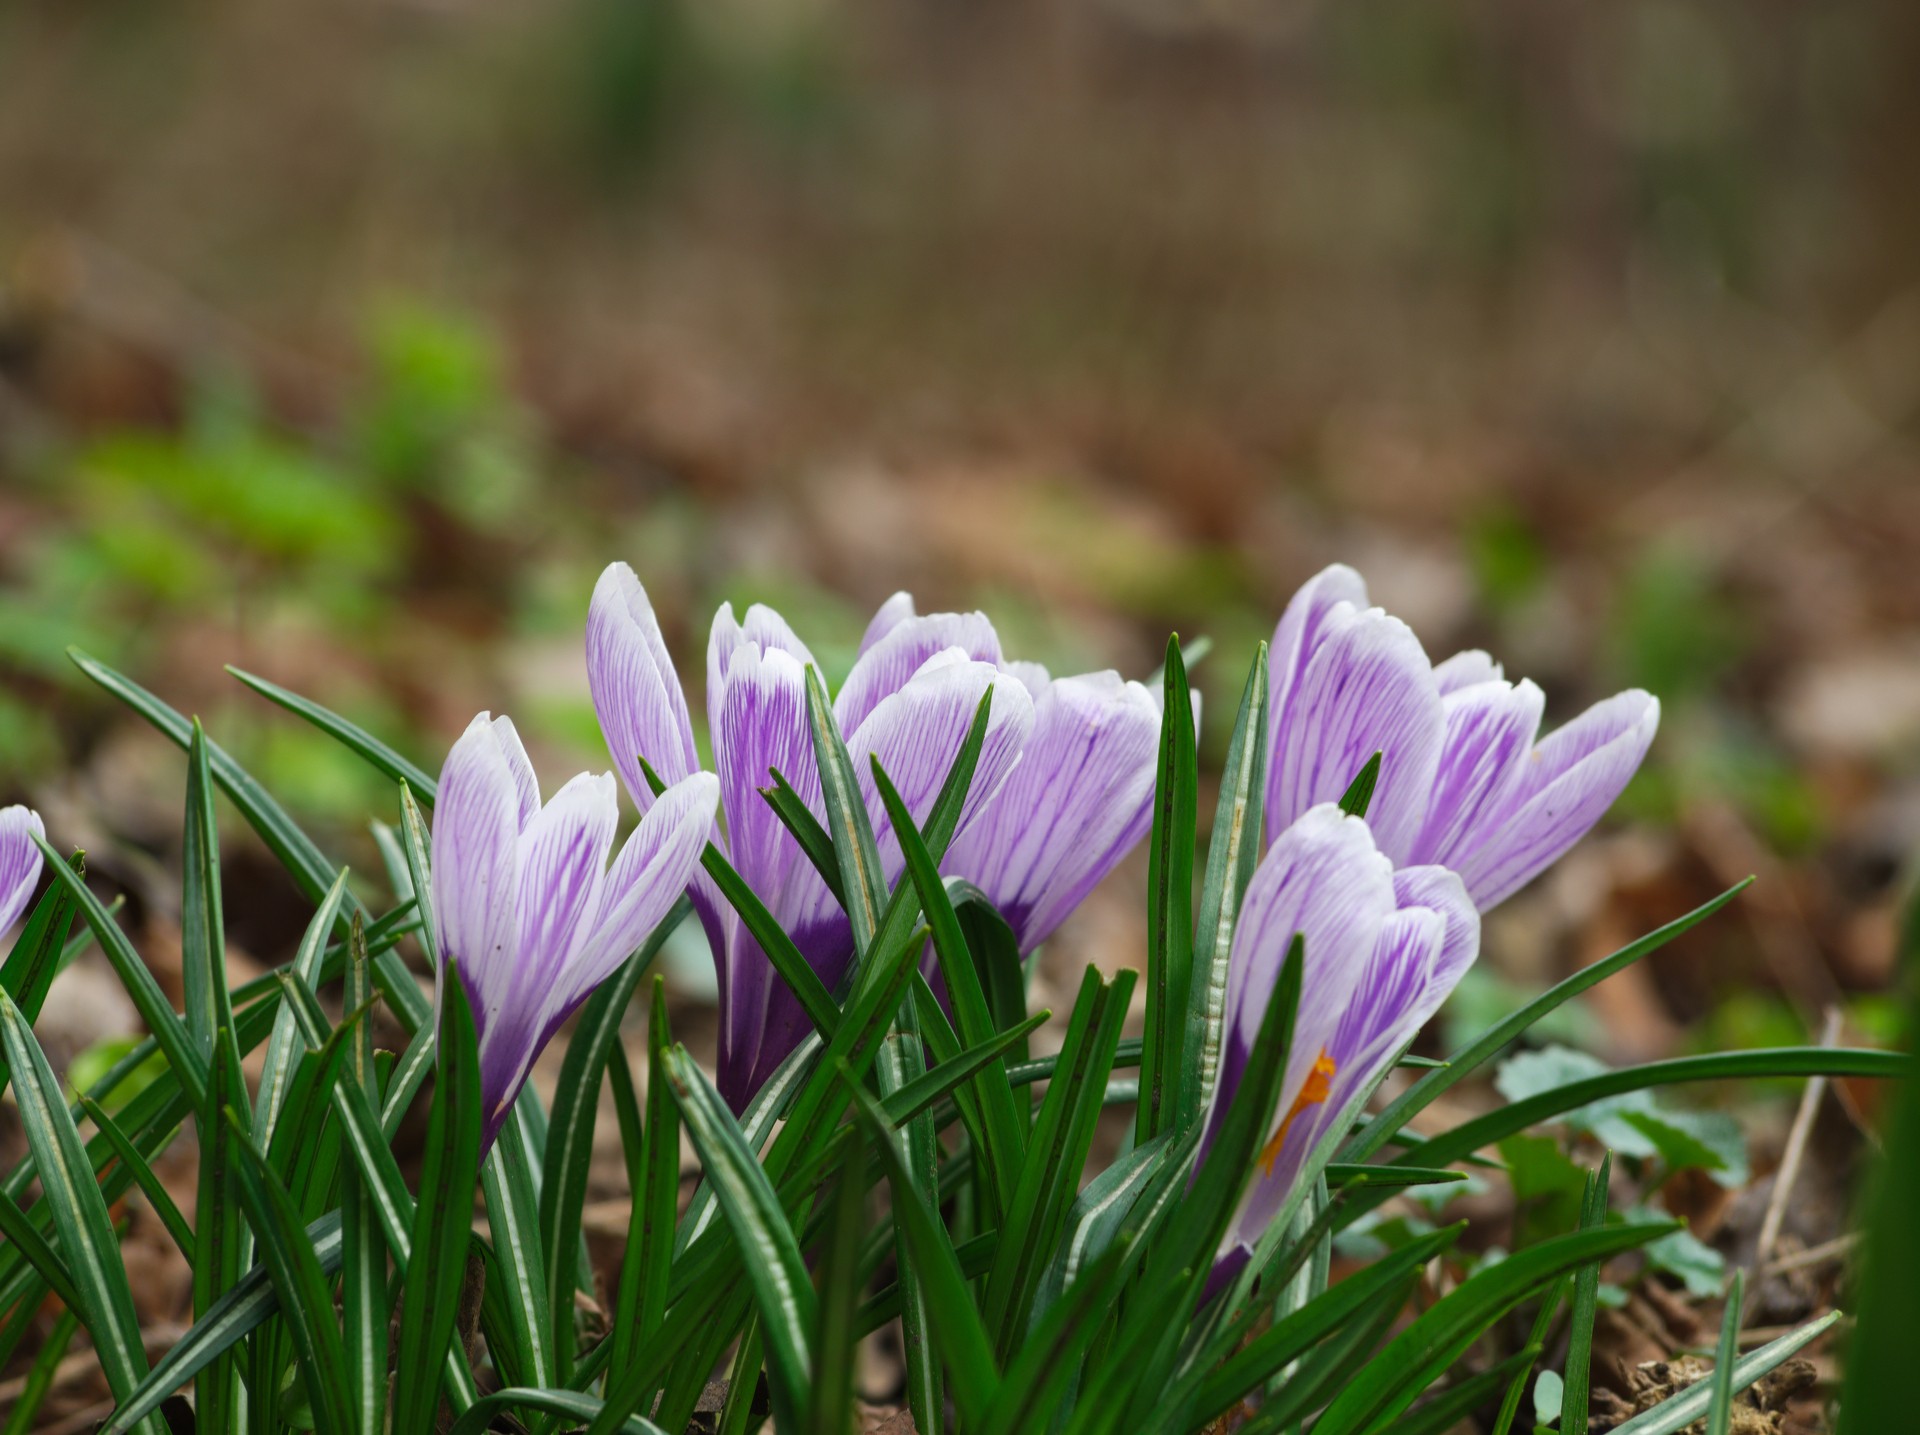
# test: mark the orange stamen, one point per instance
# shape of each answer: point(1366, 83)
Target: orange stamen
point(1319, 1085)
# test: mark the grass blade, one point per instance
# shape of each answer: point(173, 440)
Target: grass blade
point(513, 1220)
point(1233, 850)
point(1496, 1038)
point(1169, 908)
point(483, 1414)
point(443, 1219)
point(861, 880)
point(349, 735)
point(80, 1221)
point(1424, 1351)
point(363, 1283)
point(37, 955)
point(137, 1165)
point(1689, 1405)
point(306, 1299)
point(839, 1296)
point(798, 819)
point(1586, 1304)
point(1720, 1407)
point(40, 1378)
point(782, 1291)
point(203, 943)
point(654, 1179)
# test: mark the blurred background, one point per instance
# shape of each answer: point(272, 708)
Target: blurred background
point(347, 344)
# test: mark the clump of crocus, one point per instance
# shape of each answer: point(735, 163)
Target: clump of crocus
point(19, 861)
point(1463, 782)
point(1063, 788)
point(524, 900)
point(1382, 950)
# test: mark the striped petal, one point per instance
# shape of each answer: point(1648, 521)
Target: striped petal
point(1367, 687)
point(1490, 728)
point(889, 616)
point(476, 835)
point(1565, 785)
point(1080, 798)
point(20, 861)
point(886, 666)
point(636, 692)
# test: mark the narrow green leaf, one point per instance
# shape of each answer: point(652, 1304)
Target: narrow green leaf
point(1359, 794)
point(306, 1299)
point(135, 976)
point(203, 943)
point(352, 736)
point(1586, 1304)
point(19, 1229)
point(1720, 1407)
point(1049, 1359)
point(1496, 1038)
point(569, 1154)
point(292, 847)
point(922, 1092)
point(483, 1414)
point(1003, 1122)
point(957, 1329)
point(1233, 850)
point(798, 819)
point(288, 1042)
point(363, 1284)
point(1679, 1411)
point(1427, 1348)
point(40, 1378)
point(80, 1221)
point(1536, 1341)
point(854, 849)
point(997, 961)
point(137, 1165)
point(839, 1295)
point(653, 1176)
point(513, 1220)
point(1169, 907)
point(1446, 1410)
point(442, 1221)
point(778, 1276)
point(903, 1060)
point(28, 973)
point(1056, 1154)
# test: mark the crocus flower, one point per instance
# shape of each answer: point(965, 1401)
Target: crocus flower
point(19, 861)
point(910, 699)
point(1080, 800)
point(525, 903)
point(1382, 950)
point(1463, 782)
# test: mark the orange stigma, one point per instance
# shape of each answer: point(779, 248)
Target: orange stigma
point(1318, 1086)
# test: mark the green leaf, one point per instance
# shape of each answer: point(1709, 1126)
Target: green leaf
point(1427, 1348)
point(1720, 1406)
point(40, 1378)
point(861, 880)
point(902, 1059)
point(839, 1296)
point(436, 1273)
point(996, 960)
point(1536, 1341)
point(798, 818)
point(513, 1221)
point(290, 846)
point(221, 1242)
point(1056, 1155)
point(19, 1229)
point(288, 1042)
point(484, 1412)
point(1495, 1039)
point(1233, 851)
point(1049, 1359)
point(27, 975)
point(1679, 1411)
point(352, 736)
point(778, 1276)
point(137, 1165)
point(1586, 1303)
point(923, 1091)
point(1359, 794)
point(957, 1328)
point(1003, 1127)
point(135, 976)
point(80, 1221)
point(1339, 1176)
point(306, 1298)
point(363, 1285)
point(1446, 1410)
point(653, 1177)
point(203, 943)
point(1169, 908)
point(569, 1155)
point(1701, 1268)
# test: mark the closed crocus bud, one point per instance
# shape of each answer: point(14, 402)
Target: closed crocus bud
point(525, 902)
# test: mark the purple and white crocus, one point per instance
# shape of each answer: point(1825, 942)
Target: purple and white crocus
point(525, 903)
point(19, 861)
point(1383, 947)
point(1039, 829)
point(1465, 782)
point(910, 698)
